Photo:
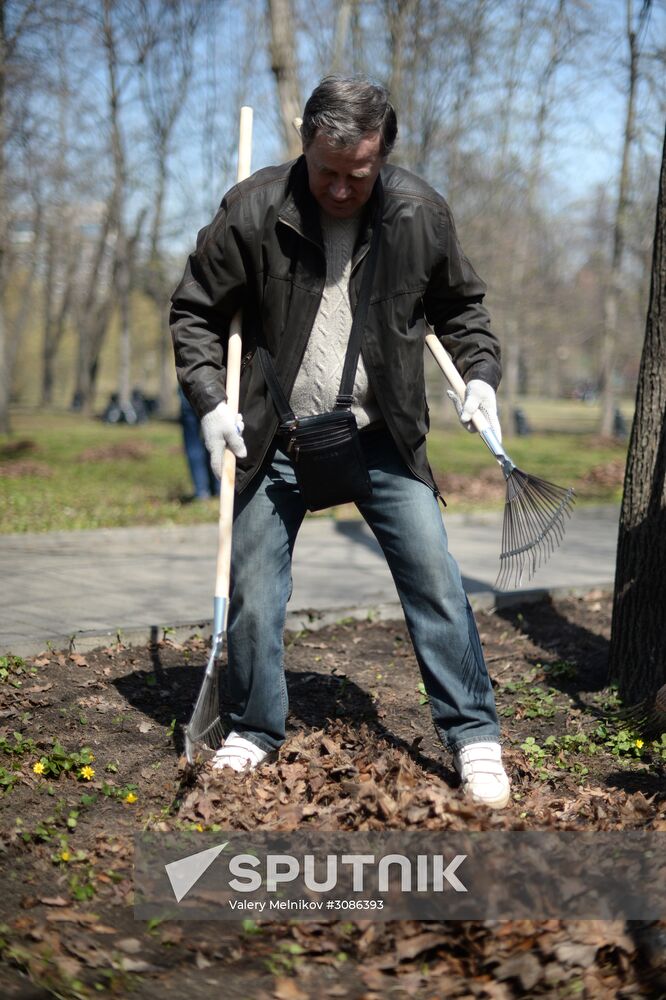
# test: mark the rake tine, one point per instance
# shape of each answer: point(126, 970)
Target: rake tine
point(535, 509)
point(533, 525)
point(205, 727)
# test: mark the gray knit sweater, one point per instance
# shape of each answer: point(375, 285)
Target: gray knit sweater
point(318, 379)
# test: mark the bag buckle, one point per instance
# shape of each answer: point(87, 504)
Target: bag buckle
point(292, 443)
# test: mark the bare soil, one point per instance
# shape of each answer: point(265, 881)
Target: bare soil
point(356, 709)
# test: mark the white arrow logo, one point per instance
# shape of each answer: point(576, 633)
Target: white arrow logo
point(184, 873)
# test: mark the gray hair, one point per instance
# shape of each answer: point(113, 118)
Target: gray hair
point(346, 110)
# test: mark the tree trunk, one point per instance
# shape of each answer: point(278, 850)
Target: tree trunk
point(342, 22)
point(57, 306)
point(398, 16)
point(285, 70)
point(122, 285)
point(94, 313)
point(26, 296)
point(122, 279)
point(5, 387)
point(613, 290)
point(638, 634)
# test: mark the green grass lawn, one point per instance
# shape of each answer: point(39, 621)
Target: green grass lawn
point(59, 471)
point(70, 472)
point(578, 460)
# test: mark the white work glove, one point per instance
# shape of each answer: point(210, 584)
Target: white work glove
point(478, 396)
point(221, 428)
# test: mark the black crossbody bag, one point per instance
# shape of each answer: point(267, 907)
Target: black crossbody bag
point(325, 448)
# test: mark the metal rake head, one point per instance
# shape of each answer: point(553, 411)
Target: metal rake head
point(209, 738)
point(205, 728)
point(533, 525)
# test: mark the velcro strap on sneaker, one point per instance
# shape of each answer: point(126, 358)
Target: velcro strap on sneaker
point(482, 765)
point(237, 752)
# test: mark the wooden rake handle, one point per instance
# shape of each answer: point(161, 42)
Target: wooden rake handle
point(454, 378)
point(234, 354)
point(479, 419)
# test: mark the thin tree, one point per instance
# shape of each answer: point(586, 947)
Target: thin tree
point(62, 242)
point(26, 29)
point(638, 634)
point(4, 233)
point(285, 69)
point(111, 274)
point(613, 289)
point(165, 74)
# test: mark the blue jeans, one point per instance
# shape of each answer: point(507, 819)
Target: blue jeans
point(405, 517)
point(204, 480)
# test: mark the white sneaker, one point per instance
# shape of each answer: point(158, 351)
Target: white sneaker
point(240, 754)
point(484, 780)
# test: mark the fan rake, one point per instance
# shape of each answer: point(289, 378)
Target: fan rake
point(535, 509)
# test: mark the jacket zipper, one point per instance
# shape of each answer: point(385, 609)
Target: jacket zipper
point(430, 486)
point(276, 423)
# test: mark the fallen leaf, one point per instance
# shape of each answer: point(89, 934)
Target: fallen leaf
point(525, 967)
point(128, 964)
point(69, 915)
point(286, 989)
point(88, 952)
point(68, 967)
point(409, 948)
point(579, 955)
point(53, 900)
point(172, 935)
point(131, 946)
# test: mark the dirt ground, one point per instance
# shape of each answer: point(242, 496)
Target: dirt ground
point(361, 754)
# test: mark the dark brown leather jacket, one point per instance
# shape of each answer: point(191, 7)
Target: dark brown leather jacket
point(263, 252)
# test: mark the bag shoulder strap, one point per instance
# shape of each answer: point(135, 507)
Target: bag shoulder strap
point(345, 392)
point(345, 397)
point(284, 410)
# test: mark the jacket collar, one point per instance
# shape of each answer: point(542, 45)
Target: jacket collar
point(300, 211)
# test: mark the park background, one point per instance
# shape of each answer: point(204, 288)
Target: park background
point(540, 122)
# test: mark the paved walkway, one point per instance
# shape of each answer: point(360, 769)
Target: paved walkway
point(87, 586)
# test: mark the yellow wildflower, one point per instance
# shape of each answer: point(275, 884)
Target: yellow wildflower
point(65, 856)
point(199, 828)
point(38, 768)
point(639, 744)
point(131, 797)
point(87, 772)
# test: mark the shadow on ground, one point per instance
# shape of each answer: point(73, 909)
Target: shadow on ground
point(314, 699)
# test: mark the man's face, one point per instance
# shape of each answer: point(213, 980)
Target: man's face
point(341, 180)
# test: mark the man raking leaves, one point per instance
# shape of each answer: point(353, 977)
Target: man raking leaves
point(335, 260)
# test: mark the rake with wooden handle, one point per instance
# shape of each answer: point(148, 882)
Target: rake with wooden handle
point(205, 727)
point(535, 509)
